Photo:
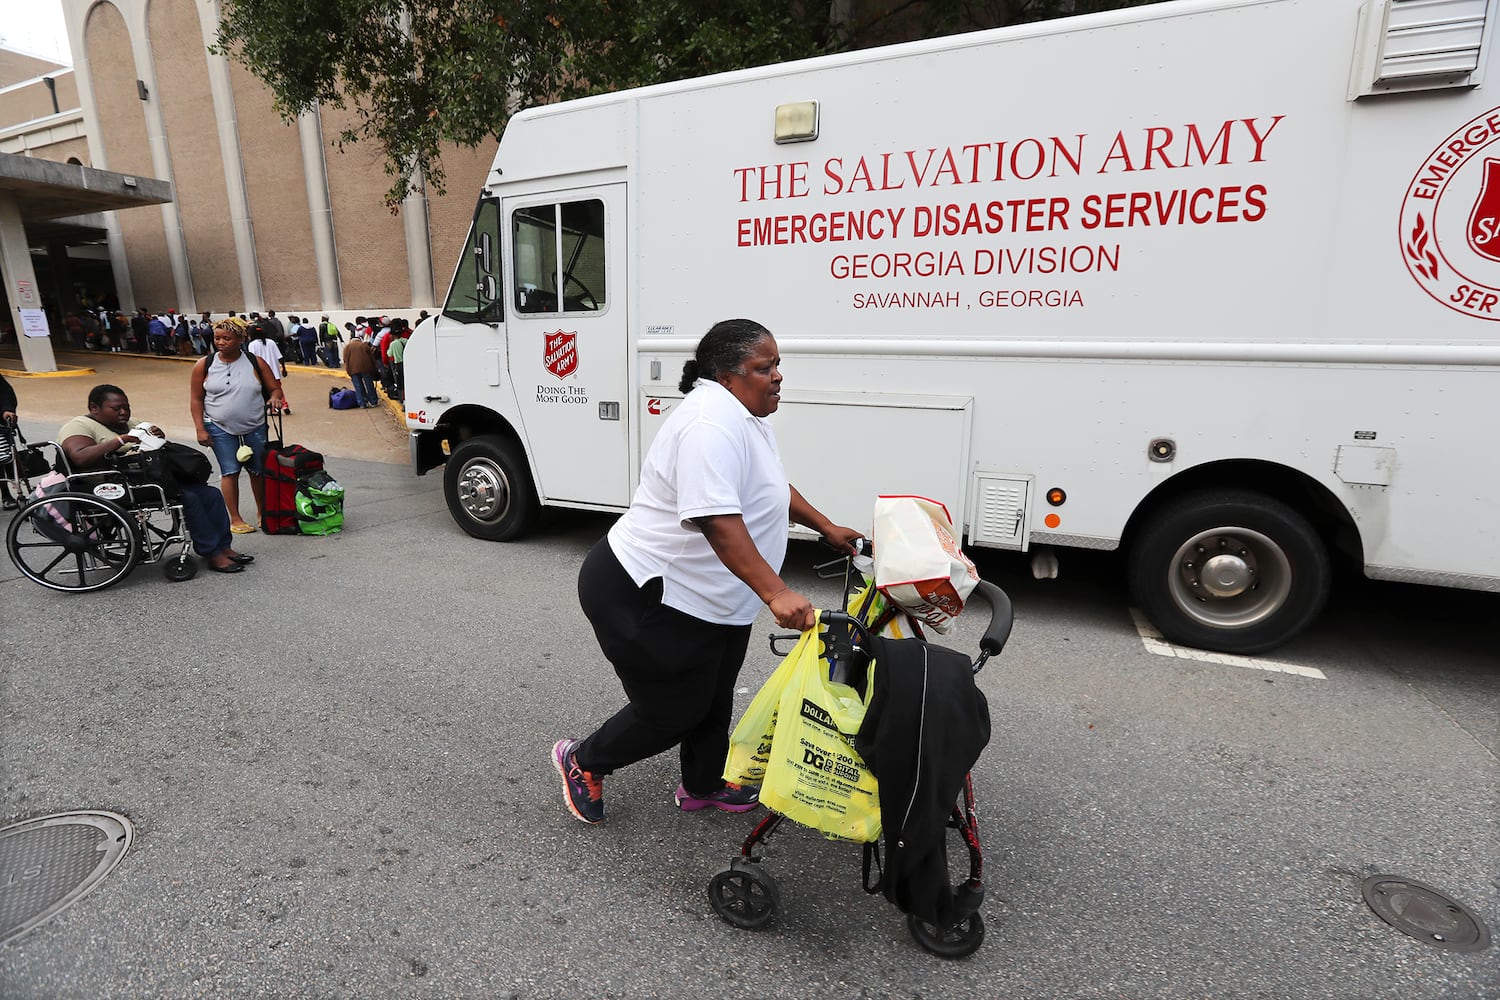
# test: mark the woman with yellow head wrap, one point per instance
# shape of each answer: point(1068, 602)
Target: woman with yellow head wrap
point(228, 395)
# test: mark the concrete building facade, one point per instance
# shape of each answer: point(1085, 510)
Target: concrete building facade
point(53, 235)
point(267, 214)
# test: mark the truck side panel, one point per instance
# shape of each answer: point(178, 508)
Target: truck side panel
point(1204, 239)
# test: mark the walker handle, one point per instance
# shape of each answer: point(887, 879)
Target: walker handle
point(1002, 617)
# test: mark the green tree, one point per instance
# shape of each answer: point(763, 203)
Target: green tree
point(419, 74)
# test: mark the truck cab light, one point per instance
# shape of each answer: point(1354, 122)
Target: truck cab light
point(797, 122)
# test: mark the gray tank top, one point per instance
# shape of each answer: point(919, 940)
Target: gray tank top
point(231, 395)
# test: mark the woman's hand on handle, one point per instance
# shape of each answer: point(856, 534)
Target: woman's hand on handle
point(792, 610)
point(842, 539)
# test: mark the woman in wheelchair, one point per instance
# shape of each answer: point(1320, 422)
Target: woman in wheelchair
point(93, 441)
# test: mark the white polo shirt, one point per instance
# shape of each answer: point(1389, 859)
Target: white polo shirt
point(712, 456)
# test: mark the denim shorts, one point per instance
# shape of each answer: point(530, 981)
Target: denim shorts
point(225, 445)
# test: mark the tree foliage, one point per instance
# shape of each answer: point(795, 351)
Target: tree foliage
point(419, 74)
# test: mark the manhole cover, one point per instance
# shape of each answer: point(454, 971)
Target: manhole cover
point(49, 863)
point(1425, 913)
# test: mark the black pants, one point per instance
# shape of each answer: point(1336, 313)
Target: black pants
point(678, 672)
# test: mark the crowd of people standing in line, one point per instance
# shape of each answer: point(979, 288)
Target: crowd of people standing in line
point(295, 340)
point(298, 338)
point(377, 350)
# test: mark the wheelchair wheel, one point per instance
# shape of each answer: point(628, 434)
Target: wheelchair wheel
point(179, 568)
point(94, 545)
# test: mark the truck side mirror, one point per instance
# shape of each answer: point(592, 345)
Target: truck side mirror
point(485, 252)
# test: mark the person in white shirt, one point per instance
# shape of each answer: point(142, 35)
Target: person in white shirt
point(671, 591)
point(262, 346)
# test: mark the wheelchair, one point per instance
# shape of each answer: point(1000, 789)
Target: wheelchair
point(84, 531)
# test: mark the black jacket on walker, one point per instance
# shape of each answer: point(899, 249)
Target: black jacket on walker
point(924, 728)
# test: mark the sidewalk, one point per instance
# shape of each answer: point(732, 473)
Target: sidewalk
point(158, 390)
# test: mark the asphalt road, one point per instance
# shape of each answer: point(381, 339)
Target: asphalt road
point(337, 767)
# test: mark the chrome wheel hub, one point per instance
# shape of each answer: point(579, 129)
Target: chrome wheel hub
point(483, 491)
point(1230, 577)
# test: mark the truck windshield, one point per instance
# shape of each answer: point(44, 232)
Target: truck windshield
point(475, 295)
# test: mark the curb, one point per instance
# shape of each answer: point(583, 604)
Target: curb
point(62, 372)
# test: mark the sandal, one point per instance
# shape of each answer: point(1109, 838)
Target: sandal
point(242, 529)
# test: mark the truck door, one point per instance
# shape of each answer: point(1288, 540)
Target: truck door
point(567, 340)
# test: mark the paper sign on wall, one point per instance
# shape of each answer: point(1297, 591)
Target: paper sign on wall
point(34, 322)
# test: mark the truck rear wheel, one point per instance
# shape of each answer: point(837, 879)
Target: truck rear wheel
point(489, 490)
point(1229, 570)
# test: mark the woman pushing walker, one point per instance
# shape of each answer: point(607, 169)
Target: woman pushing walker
point(671, 591)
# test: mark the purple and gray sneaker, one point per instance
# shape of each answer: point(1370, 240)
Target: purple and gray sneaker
point(583, 792)
point(730, 798)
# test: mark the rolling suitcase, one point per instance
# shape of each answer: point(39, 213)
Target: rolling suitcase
point(285, 467)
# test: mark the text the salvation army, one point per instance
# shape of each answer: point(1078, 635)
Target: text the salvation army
point(1158, 147)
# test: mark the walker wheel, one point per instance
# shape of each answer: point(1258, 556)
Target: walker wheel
point(179, 569)
point(744, 896)
point(958, 941)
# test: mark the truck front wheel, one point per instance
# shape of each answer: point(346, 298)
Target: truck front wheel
point(488, 488)
point(1229, 570)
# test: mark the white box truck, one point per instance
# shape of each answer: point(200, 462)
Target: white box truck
point(1213, 281)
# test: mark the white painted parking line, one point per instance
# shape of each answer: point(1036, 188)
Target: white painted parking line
point(1154, 643)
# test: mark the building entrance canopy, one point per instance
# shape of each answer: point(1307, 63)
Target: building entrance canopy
point(36, 191)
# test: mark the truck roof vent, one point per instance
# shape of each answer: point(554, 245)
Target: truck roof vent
point(1407, 45)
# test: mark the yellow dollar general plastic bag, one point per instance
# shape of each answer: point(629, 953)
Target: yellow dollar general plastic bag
point(815, 776)
point(750, 743)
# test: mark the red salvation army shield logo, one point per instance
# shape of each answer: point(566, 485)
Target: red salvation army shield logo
point(560, 353)
point(1450, 220)
point(1484, 220)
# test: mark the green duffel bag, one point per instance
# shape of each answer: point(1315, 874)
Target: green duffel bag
point(330, 523)
point(314, 518)
point(320, 505)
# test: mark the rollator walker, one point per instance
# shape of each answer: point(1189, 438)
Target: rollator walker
point(745, 895)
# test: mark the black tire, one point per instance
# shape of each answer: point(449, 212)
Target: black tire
point(113, 549)
point(744, 895)
point(1229, 570)
point(489, 490)
point(959, 941)
point(179, 568)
